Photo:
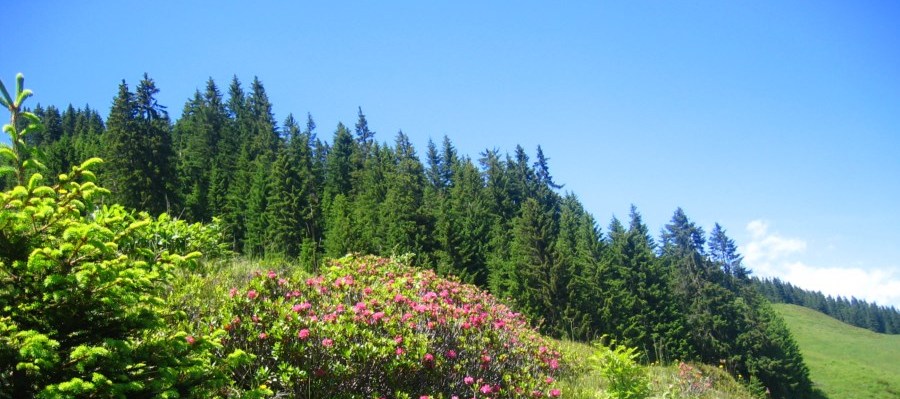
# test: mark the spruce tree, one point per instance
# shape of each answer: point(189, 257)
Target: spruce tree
point(537, 280)
point(402, 211)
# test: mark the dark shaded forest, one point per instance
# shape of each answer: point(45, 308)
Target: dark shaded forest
point(499, 221)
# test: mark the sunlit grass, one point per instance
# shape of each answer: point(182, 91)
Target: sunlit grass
point(845, 361)
point(666, 381)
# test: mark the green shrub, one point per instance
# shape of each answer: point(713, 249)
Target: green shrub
point(626, 379)
point(372, 327)
point(82, 312)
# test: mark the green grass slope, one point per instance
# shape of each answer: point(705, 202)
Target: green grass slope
point(845, 362)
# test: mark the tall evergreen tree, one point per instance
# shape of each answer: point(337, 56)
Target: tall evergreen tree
point(139, 150)
point(536, 282)
point(402, 211)
point(723, 252)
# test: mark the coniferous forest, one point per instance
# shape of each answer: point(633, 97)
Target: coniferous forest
point(880, 319)
point(291, 190)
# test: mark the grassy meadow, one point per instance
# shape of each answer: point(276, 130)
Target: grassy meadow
point(845, 362)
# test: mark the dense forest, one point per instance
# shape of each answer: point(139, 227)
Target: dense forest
point(880, 319)
point(499, 221)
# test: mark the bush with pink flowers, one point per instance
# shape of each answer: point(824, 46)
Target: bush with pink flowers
point(372, 327)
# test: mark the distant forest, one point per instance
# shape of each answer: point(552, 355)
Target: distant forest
point(497, 220)
point(881, 319)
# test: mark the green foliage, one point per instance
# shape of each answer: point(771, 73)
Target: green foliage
point(372, 327)
point(626, 379)
point(282, 195)
point(23, 158)
point(81, 297)
point(81, 301)
point(138, 146)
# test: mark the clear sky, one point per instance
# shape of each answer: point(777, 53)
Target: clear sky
point(779, 120)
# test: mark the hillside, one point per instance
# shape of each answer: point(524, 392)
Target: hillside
point(503, 227)
point(845, 361)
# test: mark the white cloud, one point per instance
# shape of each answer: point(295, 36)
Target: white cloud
point(771, 255)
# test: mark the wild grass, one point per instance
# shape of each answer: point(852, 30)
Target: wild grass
point(679, 380)
point(845, 361)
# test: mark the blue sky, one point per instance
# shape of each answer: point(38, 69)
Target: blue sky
point(779, 120)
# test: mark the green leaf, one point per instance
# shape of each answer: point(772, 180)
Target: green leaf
point(7, 169)
point(22, 96)
point(90, 162)
point(88, 175)
point(33, 163)
point(31, 117)
point(8, 153)
point(34, 181)
point(44, 191)
point(7, 100)
point(20, 81)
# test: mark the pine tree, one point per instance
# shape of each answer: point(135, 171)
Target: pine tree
point(368, 195)
point(463, 226)
point(139, 152)
point(402, 211)
point(364, 136)
point(723, 252)
point(339, 238)
point(156, 130)
point(293, 206)
point(339, 165)
point(536, 278)
point(576, 251)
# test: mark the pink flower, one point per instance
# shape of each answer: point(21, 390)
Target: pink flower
point(554, 364)
point(377, 316)
point(367, 291)
point(190, 339)
point(303, 334)
point(398, 339)
point(263, 335)
point(272, 274)
point(428, 359)
point(252, 294)
point(327, 342)
point(486, 389)
point(424, 397)
point(451, 354)
point(297, 308)
point(359, 307)
point(399, 351)
point(469, 380)
point(232, 292)
point(555, 393)
point(548, 380)
point(485, 358)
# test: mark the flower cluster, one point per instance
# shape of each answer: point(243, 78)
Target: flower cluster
point(372, 327)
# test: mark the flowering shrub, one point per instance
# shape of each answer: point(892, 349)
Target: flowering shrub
point(372, 327)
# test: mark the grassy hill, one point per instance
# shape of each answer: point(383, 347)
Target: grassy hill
point(845, 362)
